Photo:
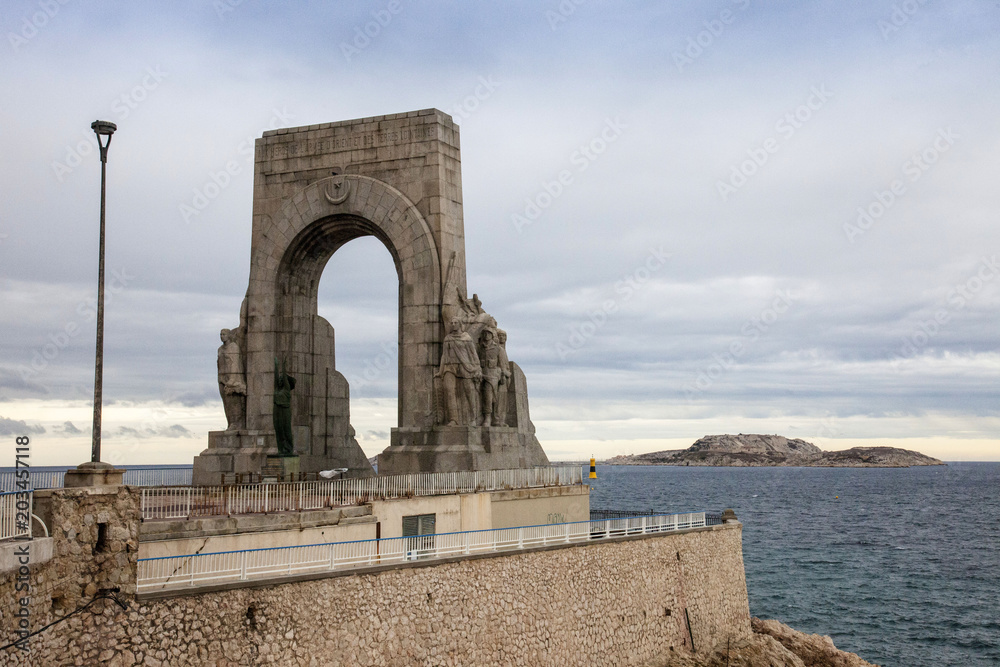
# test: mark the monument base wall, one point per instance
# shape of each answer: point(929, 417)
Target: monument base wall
point(232, 452)
point(460, 448)
point(621, 602)
point(248, 451)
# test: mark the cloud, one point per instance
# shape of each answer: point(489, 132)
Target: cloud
point(195, 399)
point(68, 429)
point(865, 333)
point(17, 427)
point(19, 384)
point(172, 431)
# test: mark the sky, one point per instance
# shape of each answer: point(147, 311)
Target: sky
point(690, 218)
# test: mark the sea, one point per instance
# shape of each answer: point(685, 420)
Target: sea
point(898, 565)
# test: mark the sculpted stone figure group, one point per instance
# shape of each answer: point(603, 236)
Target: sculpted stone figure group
point(474, 371)
point(473, 377)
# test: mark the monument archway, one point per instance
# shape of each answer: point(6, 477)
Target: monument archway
point(371, 208)
point(397, 178)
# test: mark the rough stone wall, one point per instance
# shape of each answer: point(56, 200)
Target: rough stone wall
point(81, 564)
point(609, 603)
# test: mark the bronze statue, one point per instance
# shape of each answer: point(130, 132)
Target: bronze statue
point(460, 375)
point(232, 379)
point(283, 386)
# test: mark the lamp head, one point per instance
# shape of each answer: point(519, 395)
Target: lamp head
point(103, 127)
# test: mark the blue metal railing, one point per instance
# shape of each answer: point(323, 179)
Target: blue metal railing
point(192, 570)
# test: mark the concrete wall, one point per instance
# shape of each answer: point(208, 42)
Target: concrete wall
point(283, 534)
point(448, 511)
point(532, 507)
point(473, 511)
point(483, 511)
point(477, 511)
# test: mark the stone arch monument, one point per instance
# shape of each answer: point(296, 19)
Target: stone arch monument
point(397, 178)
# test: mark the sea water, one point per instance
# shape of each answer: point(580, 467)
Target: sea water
point(898, 565)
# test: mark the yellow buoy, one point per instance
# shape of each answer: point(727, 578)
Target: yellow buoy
point(593, 468)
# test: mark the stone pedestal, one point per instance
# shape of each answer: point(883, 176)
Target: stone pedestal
point(280, 468)
point(232, 452)
point(460, 448)
point(93, 474)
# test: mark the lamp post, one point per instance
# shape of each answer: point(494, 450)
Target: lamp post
point(102, 128)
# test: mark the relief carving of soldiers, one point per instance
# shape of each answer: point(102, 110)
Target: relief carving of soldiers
point(460, 375)
point(500, 415)
point(232, 379)
point(495, 376)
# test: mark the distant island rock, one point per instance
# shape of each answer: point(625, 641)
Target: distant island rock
point(775, 450)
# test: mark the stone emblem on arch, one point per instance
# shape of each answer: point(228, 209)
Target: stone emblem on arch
point(342, 187)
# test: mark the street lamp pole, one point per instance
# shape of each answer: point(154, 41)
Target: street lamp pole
point(102, 128)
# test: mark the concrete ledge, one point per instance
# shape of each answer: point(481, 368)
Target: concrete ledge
point(153, 531)
point(275, 581)
point(540, 492)
point(93, 473)
point(39, 551)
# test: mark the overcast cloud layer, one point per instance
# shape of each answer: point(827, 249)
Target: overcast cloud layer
point(691, 218)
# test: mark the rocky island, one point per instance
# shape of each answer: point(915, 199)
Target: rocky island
point(775, 450)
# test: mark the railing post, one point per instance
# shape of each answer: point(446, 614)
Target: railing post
point(265, 497)
point(189, 508)
point(243, 565)
point(520, 538)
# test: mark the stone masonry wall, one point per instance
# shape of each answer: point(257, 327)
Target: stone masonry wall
point(86, 558)
point(610, 603)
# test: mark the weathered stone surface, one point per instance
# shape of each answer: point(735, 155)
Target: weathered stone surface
point(93, 473)
point(94, 545)
point(397, 178)
point(772, 644)
point(814, 650)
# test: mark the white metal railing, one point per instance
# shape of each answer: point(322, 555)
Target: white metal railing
point(158, 476)
point(15, 514)
point(42, 479)
point(192, 570)
point(185, 502)
point(53, 479)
